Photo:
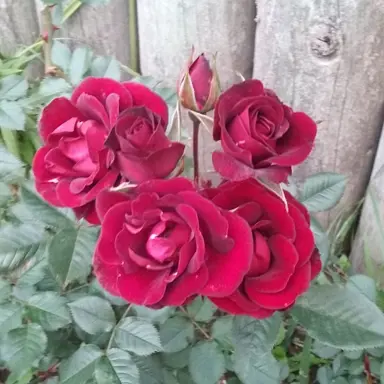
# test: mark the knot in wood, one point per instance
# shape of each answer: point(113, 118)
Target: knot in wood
point(324, 40)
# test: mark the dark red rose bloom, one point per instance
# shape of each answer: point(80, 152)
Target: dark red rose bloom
point(74, 164)
point(163, 242)
point(199, 86)
point(260, 136)
point(284, 260)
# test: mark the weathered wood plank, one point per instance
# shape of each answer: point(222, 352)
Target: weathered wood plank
point(326, 57)
point(370, 234)
point(18, 24)
point(169, 28)
point(103, 28)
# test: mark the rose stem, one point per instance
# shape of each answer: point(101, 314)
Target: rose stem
point(195, 147)
point(197, 326)
point(125, 314)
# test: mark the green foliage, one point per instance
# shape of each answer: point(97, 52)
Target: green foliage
point(341, 317)
point(322, 191)
point(206, 363)
point(138, 336)
point(176, 334)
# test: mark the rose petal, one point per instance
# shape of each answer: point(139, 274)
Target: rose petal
point(261, 259)
point(39, 165)
point(106, 275)
point(234, 170)
point(284, 260)
point(48, 192)
point(57, 112)
point(185, 286)
point(93, 109)
point(297, 285)
point(87, 212)
point(158, 165)
point(229, 98)
point(101, 88)
point(143, 96)
point(143, 288)
point(164, 187)
point(105, 200)
point(295, 146)
point(226, 271)
point(112, 224)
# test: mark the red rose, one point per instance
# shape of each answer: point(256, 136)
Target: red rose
point(285, 259)
point(143, 150)
point(74, 164)
point(163, 242)
point(199, 87)
point(260, 136)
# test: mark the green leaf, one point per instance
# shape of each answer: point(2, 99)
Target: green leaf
point(80, 366)
point(21, 347)
point(5, 290)
point(12, 115)
point(117, 368)
point(13, 87)
point(80, 61)
point(49, 310)
point(70, 254)
point(322, 191)
point(44, 212)
point(321, 239)
point(258, 334)
point(138, 336)
point(340, 317)
point(201, 309)
point(156, 316)
point(364, 284)
point(61, 55)
point(382, 372)
point(177, 360)
point(324, 351)
point(93, 314)
point(253, 340)
point(222, 330)
point(150, 370)
point(353, 355)
point(206, 363)
point(18, 244)
point(10, 316)
point(52, 87)
point(106, 67)
point(36, 271)
point(176, 334)
point(324, 375)
point(253, 368)
point(11, 167)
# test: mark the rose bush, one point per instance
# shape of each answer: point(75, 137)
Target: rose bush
point(162, 243)
point(284, 259)
point(260, 136)
point(74, 165)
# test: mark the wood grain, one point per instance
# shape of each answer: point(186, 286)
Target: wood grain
point(103, 28)
point(370, 235)
point(326, 57)
point(169, 28)
point(18, 24)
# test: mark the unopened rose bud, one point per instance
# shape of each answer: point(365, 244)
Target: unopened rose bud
point(199, 86)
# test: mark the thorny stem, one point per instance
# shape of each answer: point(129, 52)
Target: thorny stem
point(195, 147)
point(47, 27)
point(197, 326)
point(125, 314)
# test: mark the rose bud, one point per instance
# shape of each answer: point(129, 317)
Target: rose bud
point(199, 86)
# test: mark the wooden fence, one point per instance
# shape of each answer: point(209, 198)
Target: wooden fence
point(325, 57)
